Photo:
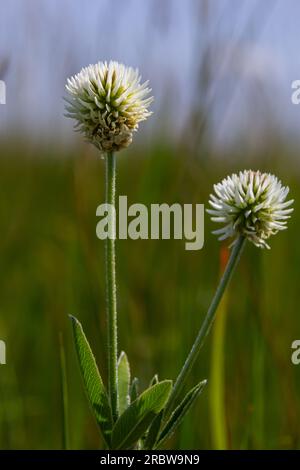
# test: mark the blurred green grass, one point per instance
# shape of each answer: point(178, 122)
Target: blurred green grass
point(52, 265)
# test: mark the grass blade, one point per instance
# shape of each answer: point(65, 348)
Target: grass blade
point(64, 393)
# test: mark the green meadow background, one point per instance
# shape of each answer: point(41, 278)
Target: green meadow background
point(52, 265)
point(221, 73)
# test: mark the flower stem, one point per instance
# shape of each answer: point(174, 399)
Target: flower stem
point(206, 326)
point(112, 337)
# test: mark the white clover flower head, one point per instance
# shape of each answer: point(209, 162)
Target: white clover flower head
point(252, 204)
point(108, 101)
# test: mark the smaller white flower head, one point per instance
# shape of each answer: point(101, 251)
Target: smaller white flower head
point(252, 204)
point(108, 101)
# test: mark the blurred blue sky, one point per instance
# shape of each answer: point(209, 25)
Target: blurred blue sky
point(234, 59)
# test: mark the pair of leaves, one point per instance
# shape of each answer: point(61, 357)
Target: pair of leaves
point(137, 416)
point(179, 412)
point(136, 419)
point(155, 437)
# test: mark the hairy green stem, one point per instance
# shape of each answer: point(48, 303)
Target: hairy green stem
point(111, 294)
point(206, 326)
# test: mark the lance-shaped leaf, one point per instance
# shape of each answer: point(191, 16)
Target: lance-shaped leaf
point(179, 412)
point(134, 389)
point(154, 380)
point(123, 382)
point(133, 423)
point(94, 387)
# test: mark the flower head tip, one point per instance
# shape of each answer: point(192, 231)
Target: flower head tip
point(252, 204)
point(108, 101)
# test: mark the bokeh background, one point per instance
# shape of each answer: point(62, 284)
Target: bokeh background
point(221, 73)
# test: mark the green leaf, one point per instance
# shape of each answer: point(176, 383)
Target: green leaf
point(133, 423)
point(150, 437)
point(152, 434)
point(179, 413)
point(94, 387)
point(134, 389)
point(123, 382)
point(154, 380)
